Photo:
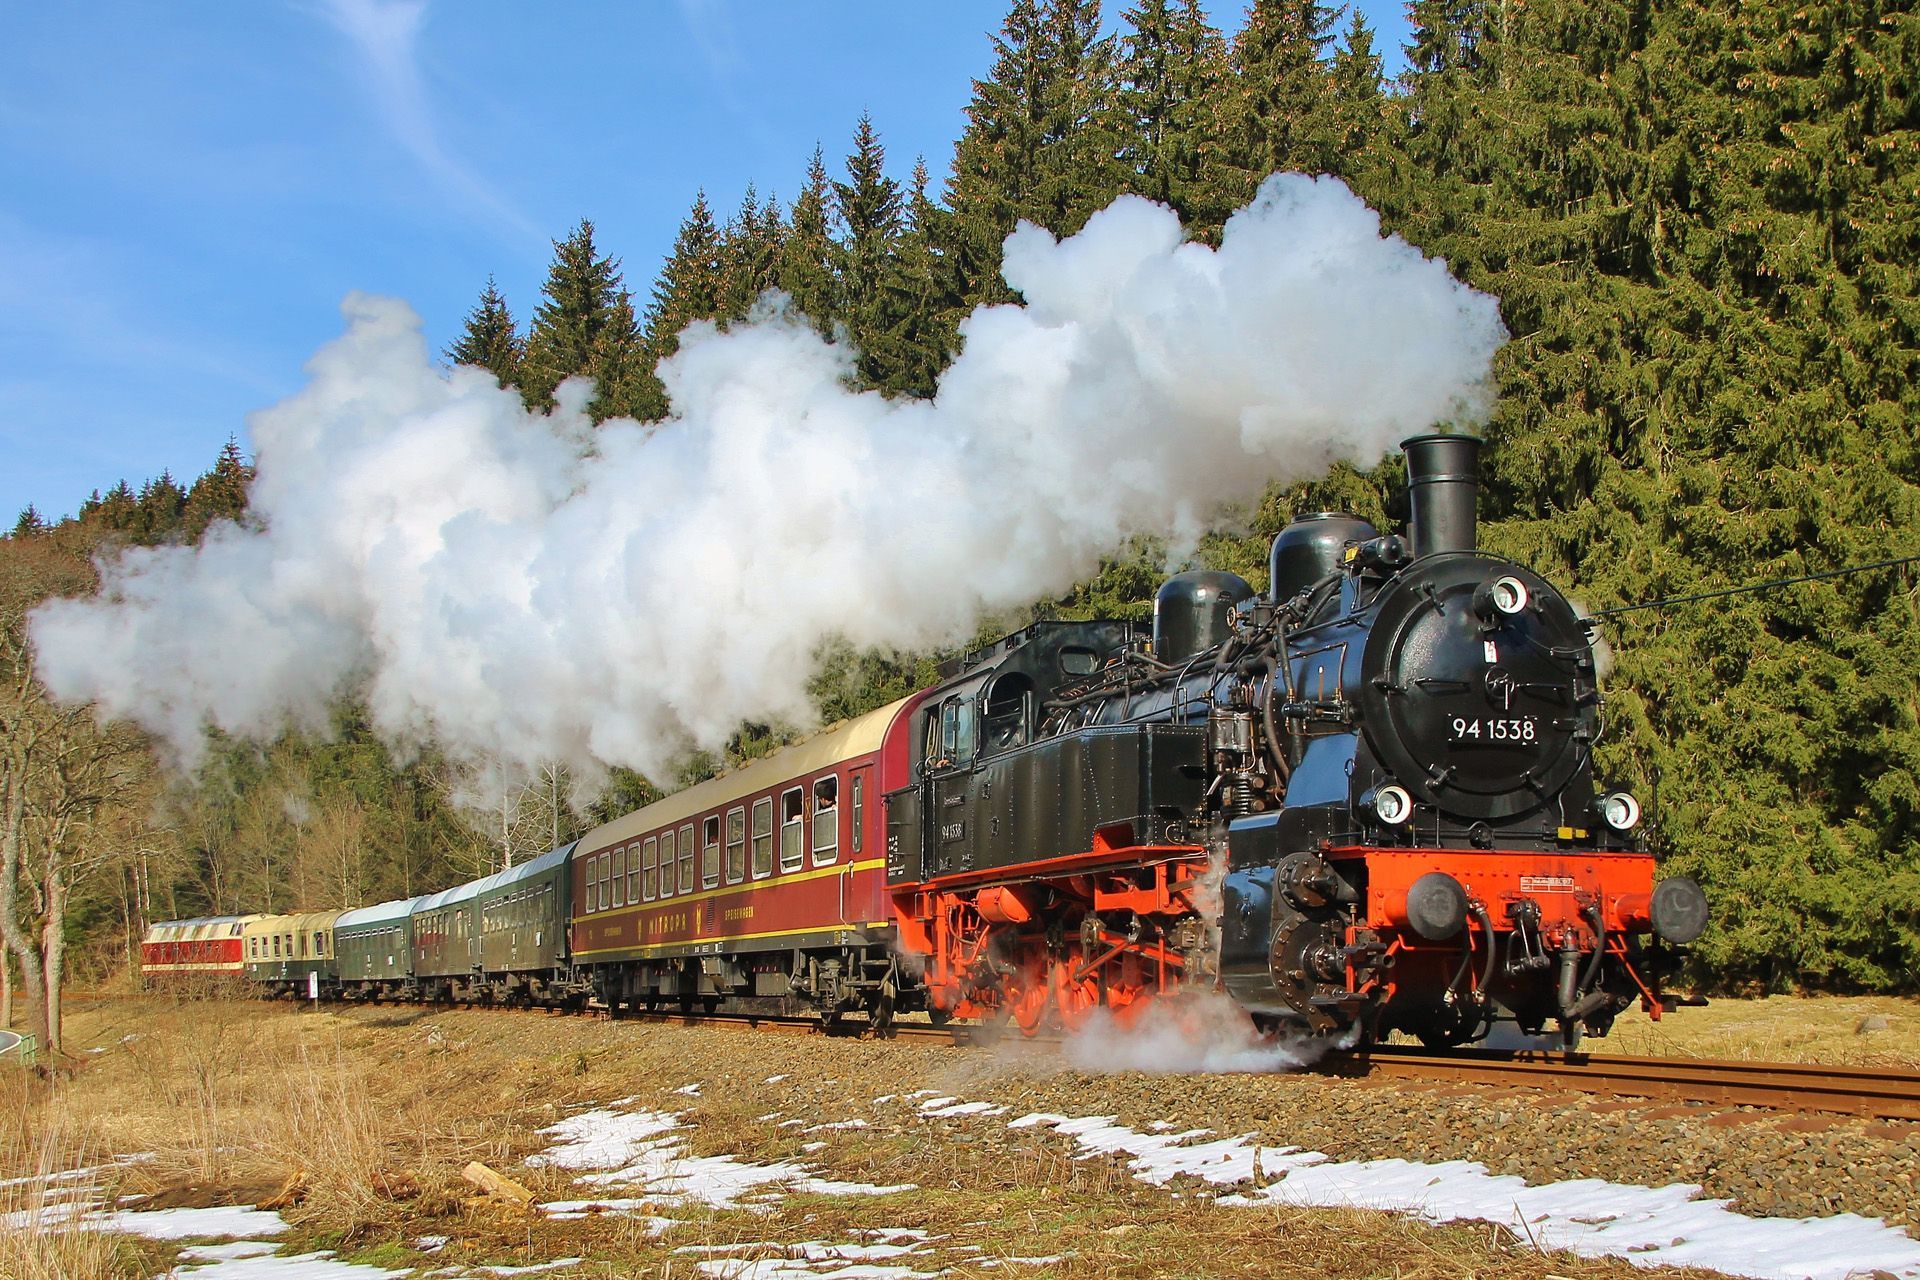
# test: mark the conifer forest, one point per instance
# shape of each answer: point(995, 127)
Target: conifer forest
point(1702, 221)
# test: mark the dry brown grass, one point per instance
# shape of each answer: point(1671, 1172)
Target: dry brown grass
point(39, 1239)
point(1835, 1030)
point(378, 1109)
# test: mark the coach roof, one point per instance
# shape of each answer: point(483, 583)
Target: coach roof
point(847, 740)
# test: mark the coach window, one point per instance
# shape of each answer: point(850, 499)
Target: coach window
point(666, 864)
point(763, 838)
point(686, 858)
point(633, 875)
point(649, 858)
point(606, 863)
point(710, 853)
point(620, 876)
point(826, 820)
point(276, 946)
point(792, 828)
point(736, 845)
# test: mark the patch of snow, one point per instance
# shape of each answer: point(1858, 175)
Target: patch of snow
point(630, 1151)
point(771, 1115)
point(303, 1266)
point(690, 1090)
point(240, 1222)
point(774, 1079)
point(431, 1244)
point(790, 1268)
point(808, 1148)
point(960, 1109)
point(855, 1123)
point(603, 1138)
point(228, 1252)
point(555, 1265)
point(1648, 1226)
point(569, 1210)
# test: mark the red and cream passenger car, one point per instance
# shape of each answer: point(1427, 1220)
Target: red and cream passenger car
point(212, 946)
point(766, 884)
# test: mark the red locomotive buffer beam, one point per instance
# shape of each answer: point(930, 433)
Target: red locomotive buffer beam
point(1107, 929)
point(1531, 931)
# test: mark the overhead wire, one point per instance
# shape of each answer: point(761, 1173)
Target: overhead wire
point(1752, 587)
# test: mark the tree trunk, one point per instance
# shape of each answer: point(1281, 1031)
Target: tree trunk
point(54, 948)
point(13, 822)
point(6, 988)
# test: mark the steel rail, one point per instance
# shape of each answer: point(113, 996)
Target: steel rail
point(1869, 1092)
point(1861, 1092)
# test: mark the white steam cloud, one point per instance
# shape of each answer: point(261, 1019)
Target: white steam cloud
point(1197, 1030)
point(526, 588)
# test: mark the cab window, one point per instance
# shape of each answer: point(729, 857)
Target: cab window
point(956, 741)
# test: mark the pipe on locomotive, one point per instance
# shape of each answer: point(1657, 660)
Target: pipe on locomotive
point(1443, 484)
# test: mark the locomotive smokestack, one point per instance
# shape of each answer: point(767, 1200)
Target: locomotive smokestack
point(1443, 481)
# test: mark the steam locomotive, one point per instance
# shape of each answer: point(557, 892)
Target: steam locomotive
point(1361, 802)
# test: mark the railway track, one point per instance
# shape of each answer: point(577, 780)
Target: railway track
point(1866, 1092)
point(1874, 1093)
point(1863, 1092)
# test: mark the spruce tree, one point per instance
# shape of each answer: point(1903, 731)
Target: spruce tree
point(1081, 121)
point(29, 523)
point(1171, 74)
point(489, 340)
point(909, 340)
point(581, 326)
point(1043, 138)
point(1278, 114)
point(159, 511)
point(867, 207)
point(692, 282)
point(220, 494)
point(750, 254)
point(996, 164)
point(1362, 138)
point(623, 374)
point(809, 261)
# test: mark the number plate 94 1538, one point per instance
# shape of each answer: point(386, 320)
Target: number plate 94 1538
point(1493, 730)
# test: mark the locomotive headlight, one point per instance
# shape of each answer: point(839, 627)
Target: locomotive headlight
point(1391, 804)
point(1503, 597)
point(1619, 811)
point(1509, 595)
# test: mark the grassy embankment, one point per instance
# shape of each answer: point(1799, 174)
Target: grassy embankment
point(364, 1118)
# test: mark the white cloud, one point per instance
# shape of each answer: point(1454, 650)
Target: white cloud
point(387, 34)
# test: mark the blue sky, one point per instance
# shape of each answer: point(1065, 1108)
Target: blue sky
point(188, 189)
